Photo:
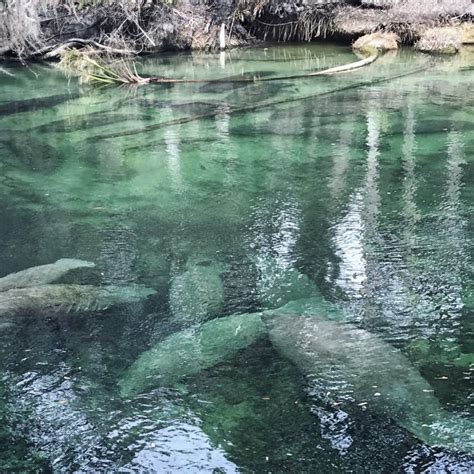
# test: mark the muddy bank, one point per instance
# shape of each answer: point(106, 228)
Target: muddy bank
point(36, 28)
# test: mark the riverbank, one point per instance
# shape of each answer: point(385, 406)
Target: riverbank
point(36, 29)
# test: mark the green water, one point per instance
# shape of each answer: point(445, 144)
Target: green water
point(360, 182)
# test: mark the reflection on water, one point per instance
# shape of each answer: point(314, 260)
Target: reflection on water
point(344, 192)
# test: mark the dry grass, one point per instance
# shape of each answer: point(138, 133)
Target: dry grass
point(440, 41)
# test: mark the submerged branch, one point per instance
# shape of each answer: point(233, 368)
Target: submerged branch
point(252, 108)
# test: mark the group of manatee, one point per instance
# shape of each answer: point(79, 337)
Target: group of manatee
point(302, 326)
point(31, 290)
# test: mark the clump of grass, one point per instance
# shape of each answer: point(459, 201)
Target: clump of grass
point(440, 41)
point(99, 68)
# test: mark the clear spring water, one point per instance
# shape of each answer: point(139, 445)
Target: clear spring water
point(360, 181)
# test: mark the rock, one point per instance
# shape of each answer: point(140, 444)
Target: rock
point(440, 41)
point(377, 42)
point(467, 32)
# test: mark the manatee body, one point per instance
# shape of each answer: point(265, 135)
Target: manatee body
point(69, 298)
point(190, 351)
point(43, 274)
point(343, 359)
point(197, 294)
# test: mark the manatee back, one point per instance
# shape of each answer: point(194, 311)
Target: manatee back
point(42, 274)
point(190, 351)
point(378, 373)
point(197, 294)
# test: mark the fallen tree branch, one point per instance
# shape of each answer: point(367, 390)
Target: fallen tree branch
point(124, 72)
point(325, 72)
point(4, 71)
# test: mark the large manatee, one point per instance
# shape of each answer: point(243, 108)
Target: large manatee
point(190, 351)
point(42, 274)
point(69, 298)
point(372, 371)
point(197, 294)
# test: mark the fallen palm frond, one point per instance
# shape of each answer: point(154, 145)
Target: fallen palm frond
point(97, 68)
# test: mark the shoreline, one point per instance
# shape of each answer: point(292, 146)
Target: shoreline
point(180, 26)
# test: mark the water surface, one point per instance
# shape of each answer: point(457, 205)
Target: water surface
point(362, 182)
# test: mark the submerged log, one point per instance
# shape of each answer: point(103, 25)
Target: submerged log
point(252, 108)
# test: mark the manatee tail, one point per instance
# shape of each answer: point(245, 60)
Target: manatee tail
point(448, 430)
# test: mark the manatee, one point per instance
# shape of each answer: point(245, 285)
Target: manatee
point(190, 351)
point(279, 284)
point(442, 352)
point(43, 274)
point(197, 294)
point(374, 372)
point(338, 356)
point(69, 298)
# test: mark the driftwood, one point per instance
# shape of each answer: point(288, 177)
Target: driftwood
point(252, 108)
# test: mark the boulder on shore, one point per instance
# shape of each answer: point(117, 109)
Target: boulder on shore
point(467, 32)
point(440, 41)
point(376, 42)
